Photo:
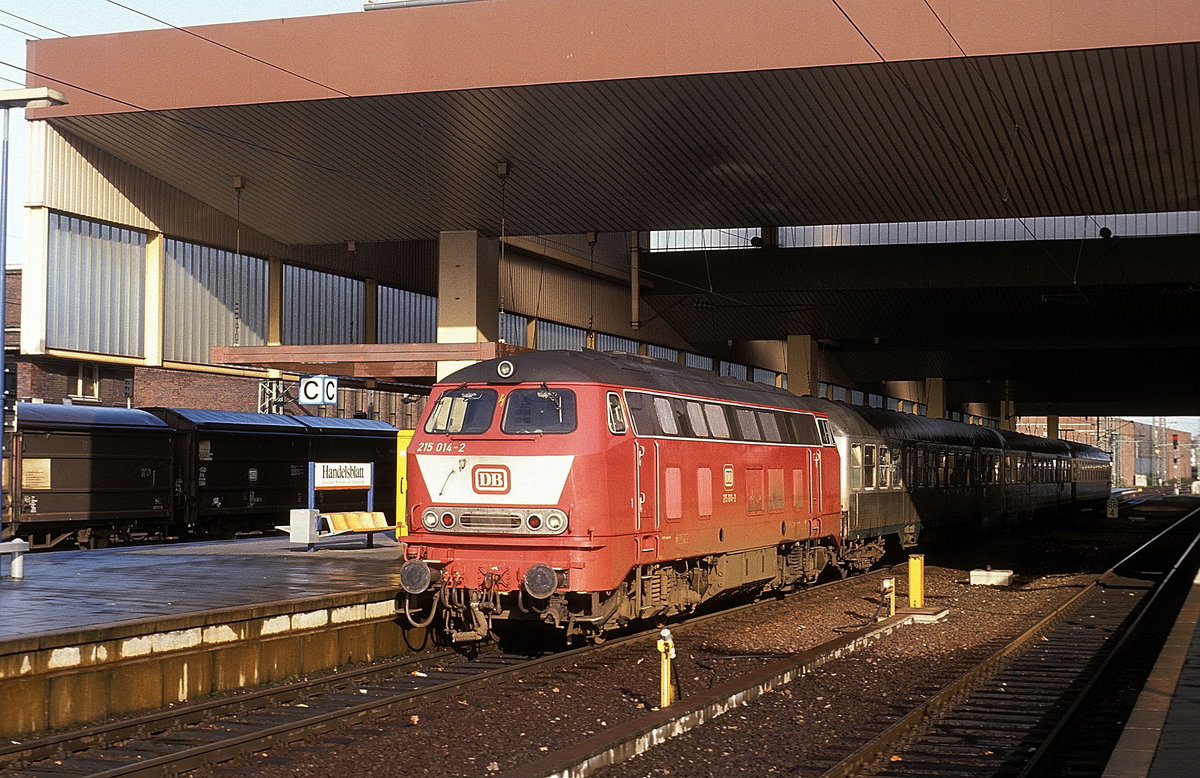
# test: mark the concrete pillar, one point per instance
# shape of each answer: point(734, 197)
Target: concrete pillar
point(274, 301)
point(35, 279)
point(802, 365)
point(152, 311)
point(1052, 427)
point(468, 291)
point(935, 398)
point(1008, 415)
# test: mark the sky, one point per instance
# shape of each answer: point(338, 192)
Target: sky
point(23, 20)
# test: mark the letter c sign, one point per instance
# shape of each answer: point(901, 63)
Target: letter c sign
point(318, 390)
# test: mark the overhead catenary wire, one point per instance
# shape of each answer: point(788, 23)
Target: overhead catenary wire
point(959, 150)
point(35, 24)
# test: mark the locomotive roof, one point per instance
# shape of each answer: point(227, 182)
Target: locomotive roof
point(633, 370)
point(55, 415)
point(620, 369)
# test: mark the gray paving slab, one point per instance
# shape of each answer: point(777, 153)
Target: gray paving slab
point(73, 589)
point(1178, 750)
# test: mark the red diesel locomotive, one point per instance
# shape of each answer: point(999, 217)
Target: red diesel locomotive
point(586, 489)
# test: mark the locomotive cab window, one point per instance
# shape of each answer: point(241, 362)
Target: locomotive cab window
point(616, 415)
point(462, 411)
point(539, 411)
point(826, 434)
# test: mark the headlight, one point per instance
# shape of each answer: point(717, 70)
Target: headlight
point(429, 519)
point(534, 521)
point(555, 521)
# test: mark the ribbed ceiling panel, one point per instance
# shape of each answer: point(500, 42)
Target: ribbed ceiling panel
point(1104, 131)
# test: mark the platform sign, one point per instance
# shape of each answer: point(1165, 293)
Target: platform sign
point(318, 390)
point(342, 475)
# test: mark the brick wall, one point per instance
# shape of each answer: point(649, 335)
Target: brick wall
point(186, 389)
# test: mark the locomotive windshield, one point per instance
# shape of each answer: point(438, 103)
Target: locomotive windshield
point(462, 411)
point(539, 411)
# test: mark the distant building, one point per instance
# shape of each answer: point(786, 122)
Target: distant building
point(1143, 454)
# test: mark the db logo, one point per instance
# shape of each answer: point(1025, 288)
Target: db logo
point(490, 479)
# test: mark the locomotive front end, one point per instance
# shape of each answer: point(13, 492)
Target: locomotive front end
point(500, 474)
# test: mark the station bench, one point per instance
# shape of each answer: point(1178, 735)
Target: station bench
point(308, 526)
point(356, 522)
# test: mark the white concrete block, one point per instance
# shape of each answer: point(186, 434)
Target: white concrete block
point(991, 577)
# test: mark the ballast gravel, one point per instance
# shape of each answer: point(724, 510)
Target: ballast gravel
point(800, 729)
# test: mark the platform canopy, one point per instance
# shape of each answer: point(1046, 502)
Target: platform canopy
point(548, 117)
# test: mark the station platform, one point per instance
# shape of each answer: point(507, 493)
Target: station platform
point(1162, 737)
point(70, 590)
point(86, 635)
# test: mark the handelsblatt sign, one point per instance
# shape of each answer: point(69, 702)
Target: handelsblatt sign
point(342, 475)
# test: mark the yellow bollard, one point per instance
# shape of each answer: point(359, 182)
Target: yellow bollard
point(888, 586)
point(666, 647)
point(916, 580)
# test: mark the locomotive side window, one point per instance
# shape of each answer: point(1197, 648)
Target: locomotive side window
point(665, 416)
point(747, 425)
point(616, 416)
point(826, 435)
point(462, 411)
point(804, 429)
point(539, 411)
point(642, 412)
point(770, 426)
point(695, 413)
point(716, 420)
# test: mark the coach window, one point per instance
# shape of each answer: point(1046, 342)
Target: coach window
point(868, 467)
point(856, 466)
point(885, 468)
point(539, 411)
point(616, 415)
point(462, 411)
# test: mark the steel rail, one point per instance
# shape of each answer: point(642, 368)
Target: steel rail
point(919, 718)
point(75, 743)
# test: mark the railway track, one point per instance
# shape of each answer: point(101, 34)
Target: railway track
point(198, 735)
point(1052, 701)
